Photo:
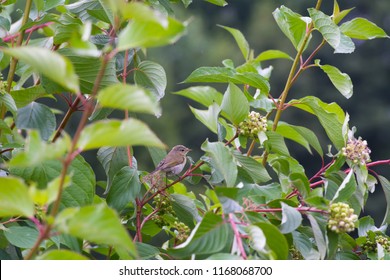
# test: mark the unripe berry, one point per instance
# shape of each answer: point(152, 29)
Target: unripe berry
point(252, 125)
point(342, 218)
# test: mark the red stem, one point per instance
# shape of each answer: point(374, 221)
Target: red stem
point(300, 209)
point(30, 30)
point(237, 235)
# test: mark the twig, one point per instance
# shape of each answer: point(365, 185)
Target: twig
point(29, 30)
point(237, 235)
point(71, 154)
point(300, 209)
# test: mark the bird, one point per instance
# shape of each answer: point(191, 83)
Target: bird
point(174, 161)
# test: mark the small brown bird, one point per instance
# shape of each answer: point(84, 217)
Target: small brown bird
point(174, 161)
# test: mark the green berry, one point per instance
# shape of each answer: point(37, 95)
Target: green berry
point(342, 218)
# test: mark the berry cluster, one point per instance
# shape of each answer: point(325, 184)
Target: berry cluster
point(3, 86)
point(341, 219)
point(166, 217)
point(295, 254)
point(252, 125)
point(370, 244)
point(182, 231)
point(357, 151)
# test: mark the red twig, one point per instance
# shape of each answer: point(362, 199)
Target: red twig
point(30, 30)
point(300, 209)
point(238, 236)
point(378, 162)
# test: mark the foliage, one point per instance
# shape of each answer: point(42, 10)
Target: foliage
point(253, 198)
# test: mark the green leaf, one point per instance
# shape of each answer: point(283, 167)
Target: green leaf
point(276, 241)
point(290, 173)
point(235, 104)
point(331, 117)
point(346, 189)
point(146, 34)
point(83, 9)
point(51, 64)
point(116, 133)
point(386, 190)
point(151, 75)
point(301, 135)
point(366, 224)
point(125, 188)
point(240, 40)
point(185, 209)
point(204, 95)
point(263, 103)
point(305, 246)
point(331, 32)
point(337, 14)
point(291, 219)
point(141, 12)
point(95, 223)
point(14, 198)
point(22, 236)
point(82, 188)
point(292, 24)
point(272, 54)
point(5, 24)
point(8, 101)
point(340, 80)
point(276, 144)
point(208, 117)
point(66, 27)
point(224, 256)
point(25, 96)
point(146, 251)
point(37, 151)
point(61, 254)
point(37, 116)
point(210, 236)
point(6, 130)
point(44, 197)
point(210, 75)
point(157, 154)
point(128, 97)
point(225, 75)
point(347, 256)
point(87, 68)
point(221, 3)
point(362, 29)
point(255, 169)
point(112, 159)
point(319, 236)
point(222, 161)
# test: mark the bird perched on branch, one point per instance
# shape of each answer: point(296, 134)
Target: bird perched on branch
point(172, 164)
point(174, 161)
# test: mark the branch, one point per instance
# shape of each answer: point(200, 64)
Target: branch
point(71, 110)
point(237, 235)
point(29, 30)
point(71, 154)
point(14, 61)
point(300, 209)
